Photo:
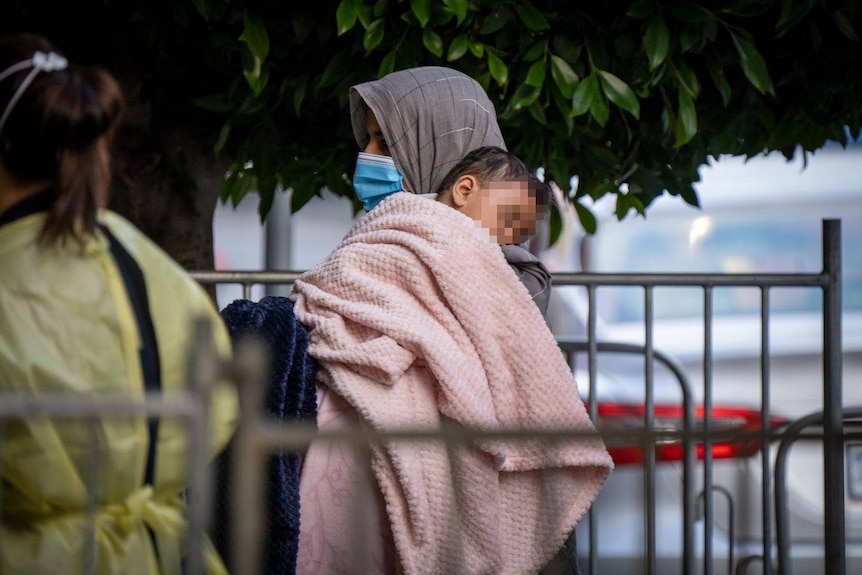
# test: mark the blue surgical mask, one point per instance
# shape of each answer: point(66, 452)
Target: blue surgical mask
point(375, 178)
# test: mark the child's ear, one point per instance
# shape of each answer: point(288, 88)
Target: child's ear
point(464, 187)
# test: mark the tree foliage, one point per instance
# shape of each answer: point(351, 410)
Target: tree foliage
point(631, 97)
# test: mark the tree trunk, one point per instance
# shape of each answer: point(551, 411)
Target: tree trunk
point(166, 183)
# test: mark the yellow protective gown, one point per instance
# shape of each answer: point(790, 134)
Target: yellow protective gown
point(66, 325)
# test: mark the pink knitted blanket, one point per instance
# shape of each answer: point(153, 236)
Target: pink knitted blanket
point(417, 322)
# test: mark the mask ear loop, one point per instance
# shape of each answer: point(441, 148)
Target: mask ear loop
point(40, 62)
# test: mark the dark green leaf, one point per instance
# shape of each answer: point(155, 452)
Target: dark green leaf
point(459, 7)
point(564, 76)
point(752, 63)
point(688, 78)
point(686, 122)
point(532, 18)
point(688, 39)
point(477, 48)
point(458, 48)
point(688, 12)
point(204, 8)
point(749, 9)
point(559, 169)
point(433, 42)
point(422, 10)
point(535, 52)
point(223, 135)
point(379, 9)
point(387, 64)
point(240, 183)
point(626, 202)
point(619, 93)
point(845, 26)
point(585, 92)
point(688, 194)
point(657, 41)
point(495, 22)
point(334, 71)
point(298, 98)
point(538, 112)
point(498, 69)
point(536, 74)
point(564, 105)
point(640, 9)
point(255, 73)
point(302, 194)
point(524, 96)
point(600, 110)
point(365, 13)
point(255, 37)
point(373, 36)
point(567, 50)
point(266, 200)
point(345, 16)
point(716, 71)
point(586, 217)
point(213, 103)
point(786, 8)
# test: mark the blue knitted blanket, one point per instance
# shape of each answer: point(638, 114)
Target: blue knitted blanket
point(292, 396)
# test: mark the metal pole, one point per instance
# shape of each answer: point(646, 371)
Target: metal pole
point(249, 468)
point(833, 425)
point(765, 415)
point(649, 424)
point(592, 356)
point(707, 430)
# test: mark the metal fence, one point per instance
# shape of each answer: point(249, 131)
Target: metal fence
point(258, 437)
point(264, 437)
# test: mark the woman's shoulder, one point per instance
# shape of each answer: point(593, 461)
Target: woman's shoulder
point(160, 270)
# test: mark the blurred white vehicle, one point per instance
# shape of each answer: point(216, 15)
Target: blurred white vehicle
point(761, 216)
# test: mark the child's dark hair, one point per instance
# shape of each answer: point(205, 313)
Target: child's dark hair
point(54, 133)
point(491, 163)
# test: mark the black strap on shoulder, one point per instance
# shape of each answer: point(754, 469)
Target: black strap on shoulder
point(133, 278)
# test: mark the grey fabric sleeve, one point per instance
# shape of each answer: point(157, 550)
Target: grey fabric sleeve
point(532, 273)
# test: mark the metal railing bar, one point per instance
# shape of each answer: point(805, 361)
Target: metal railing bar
point(690, 280)
point(649, 423)
point(61, 405)
point(765, 447)
point(731, 534)
point(243, 277)
point(707, 428)
point(569, 279)
point(573, 345)
point(790, 435)
point(833, 452)
point(592, 360)
point(204, 367)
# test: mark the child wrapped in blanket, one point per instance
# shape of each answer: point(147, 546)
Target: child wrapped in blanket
point(497, 190)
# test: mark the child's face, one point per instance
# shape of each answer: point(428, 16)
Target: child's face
point(507, 210)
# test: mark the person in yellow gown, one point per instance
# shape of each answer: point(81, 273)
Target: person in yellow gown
point(88, 306)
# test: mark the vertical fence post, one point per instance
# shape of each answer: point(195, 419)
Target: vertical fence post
point(833, 425)
point(203, 373)
point(248, 470)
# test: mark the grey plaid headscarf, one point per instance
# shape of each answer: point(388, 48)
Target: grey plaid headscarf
point(431, 118)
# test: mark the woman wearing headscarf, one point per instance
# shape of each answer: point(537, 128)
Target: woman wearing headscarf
point(417, 322)
point(89, 307)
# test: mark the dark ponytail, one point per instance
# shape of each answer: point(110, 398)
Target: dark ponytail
point(58, 133)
